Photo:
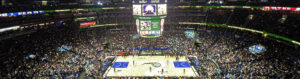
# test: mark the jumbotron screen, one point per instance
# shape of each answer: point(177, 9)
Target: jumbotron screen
point(150, 28)
point(137, 9)
point(149, 9)
point(149, 17)
point(161, 9)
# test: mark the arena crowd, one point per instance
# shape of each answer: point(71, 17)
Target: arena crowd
point(220, 55)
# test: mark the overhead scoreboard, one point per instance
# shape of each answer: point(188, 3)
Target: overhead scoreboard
point(149, 15)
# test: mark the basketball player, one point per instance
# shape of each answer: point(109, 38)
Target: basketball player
point(133, 62)
point(128, 53)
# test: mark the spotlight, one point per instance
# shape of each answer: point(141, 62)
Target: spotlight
point(99, 3)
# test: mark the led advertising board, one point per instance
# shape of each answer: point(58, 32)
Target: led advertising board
point(86, 24)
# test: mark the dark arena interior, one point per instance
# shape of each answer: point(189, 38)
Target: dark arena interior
point(150, 39)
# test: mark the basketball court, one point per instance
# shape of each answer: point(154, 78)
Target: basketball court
point(150, 66)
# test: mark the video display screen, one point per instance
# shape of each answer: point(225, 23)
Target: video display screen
point(149, 25)
point(137, 22)
point(150, 28)
point(137, 9)
point(149, 10)
point(190, 34)
point(150, 33)
point(255, 49)
point(162, 22)
point(162, 9)
point(145, 25)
